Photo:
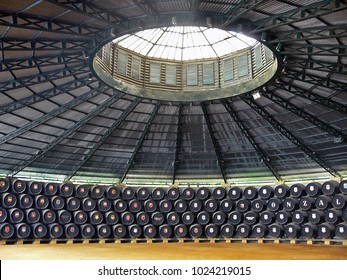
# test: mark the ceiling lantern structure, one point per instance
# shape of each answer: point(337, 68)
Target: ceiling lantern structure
point(185, 63)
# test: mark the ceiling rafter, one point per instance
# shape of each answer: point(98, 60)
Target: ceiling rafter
point(90, 9)
point(102, 140)
point(285, 103)
point(44, 95)
point(42, 152)
point(241, 8)
point(56, 112)
point(33, 22)
point(220, 161)
point(298, 14)
point(41, 61)
point(250, 138)
point(140, 142)
point(295, 140)
point(178, 143)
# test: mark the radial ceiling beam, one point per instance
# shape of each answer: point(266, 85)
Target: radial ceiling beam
point(140, 142)
point(32, 22)
point(216, 147)
point(311, 33)
point(298, 14)
point(103, 139)
point(47, 76)
point(178, 143)
point(89, 116)
point(90, 9)
point(310, 95)
point(56, 112)
point(285, 103)
point(15, 44)
point(240, 9)
point(146, 6)
point(333, 50)
point(43, 95)
point(250, 138)
point(311, 154)
point(194, 8)
point(41, 61)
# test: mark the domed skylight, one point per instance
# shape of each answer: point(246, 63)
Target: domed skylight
point(184, 42)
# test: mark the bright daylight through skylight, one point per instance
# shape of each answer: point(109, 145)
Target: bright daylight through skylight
point(184, 42)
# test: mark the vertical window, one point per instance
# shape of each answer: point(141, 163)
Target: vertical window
point(208, 74)
point(122, 63)
point(170, 77)
point(154, 76)
point(268, 54)
point(135, 68)
point(228, 70)
point(192, 74)
point(243, 65)
point(258, 57)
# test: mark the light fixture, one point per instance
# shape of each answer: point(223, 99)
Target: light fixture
point(338, 139)
point(256, 94)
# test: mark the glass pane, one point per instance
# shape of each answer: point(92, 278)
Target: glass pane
point(170, 74)
point(208, 74)
point(154, 76)
point(135, 68)
point(192, 74)
point(243, 65)
point(228, 70)
point(122, 63)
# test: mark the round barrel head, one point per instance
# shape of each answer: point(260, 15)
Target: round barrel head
point(25, 201)
point(297, 190)
point(325, 230)
point(180, 206)
point(289, 204)
point(150, 206)
point(227, 230)
point(250, 193)
point(299, 217)
point(128, 193)
point(195, 205)
point(127, 218)
point(143, 193)
point(16, 216)
point(19, 186)
point(234, 193)
point(343, 186)
point(50, 189)
point(341, 231)
point(32, 216)
point(173, 193)
point(218, 218)
point(150, 231)
point(242, 205)
point(332, 216)
point(211, 231)
point(226, 205)
point(211, 205)
point(119, 231)
point(173, 218)
point(188, 194)
point(88, 204)
point(57, 202)
point(258, 205)
point(195, 231)
point(259, 231)
point(120, 205)
point(250, 218)
point(157, 219)
point(203, 218)
point(315, 216)
point(97, 192)
point(292, 231)
point(165, 206)
point(330, 187)
point(3, 215)
point(158, 193)
point(165, 231)
point(87, 231)
point(55, 230)
point(322, 202)
point(135, 206)
point(219, 193)
point(188, 218)
point(4, 185)
point(112, 193)
point(135, 231)
point(39, 230)
point(111, 218)
point(80, 217)
point(202, 193)
point(308, 230)
point(71, 231)
point(339, 201)
point(64, 217)
point(180, 231)
point(35, 188)
point(23, 230)
point(313, 189)
point(9, 200)
point(274, 204)
point(48, 216)
point(142, 218)
point(103, 231)
point(66, 190)
point(243, 231)
point(41, 202)
point(305, 203)
point(276, 231)
point(265, 192)
point(104, 205)
point(82, 191)
point(235, 218)
point(282, 217)
point(267, 217)
point(281, 191)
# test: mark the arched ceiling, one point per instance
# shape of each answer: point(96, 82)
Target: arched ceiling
point(58, 121)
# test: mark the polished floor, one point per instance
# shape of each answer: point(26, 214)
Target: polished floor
point(173, 251)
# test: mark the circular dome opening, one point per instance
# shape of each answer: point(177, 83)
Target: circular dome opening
point(185, 63)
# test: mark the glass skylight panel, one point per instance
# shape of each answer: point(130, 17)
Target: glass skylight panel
point(185, 42)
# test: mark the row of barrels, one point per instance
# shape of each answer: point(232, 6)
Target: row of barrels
point(313, 189)
point(48, 216)
point(41, 202)
point(88, 231)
